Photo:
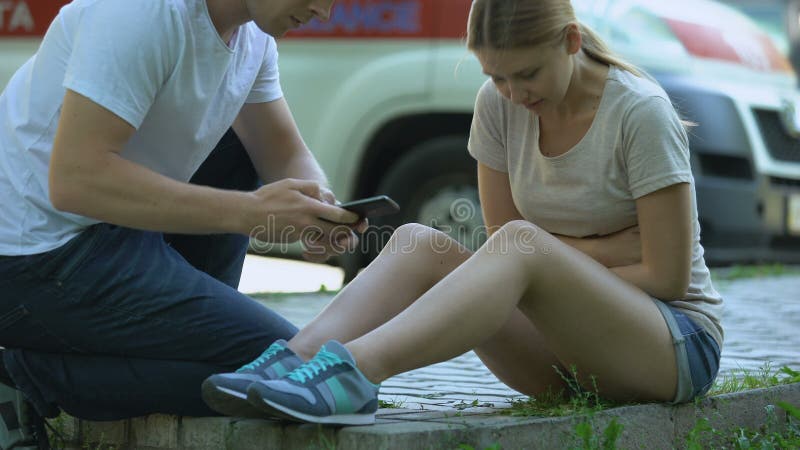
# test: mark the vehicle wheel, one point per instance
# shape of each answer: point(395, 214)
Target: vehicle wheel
point(435, 183)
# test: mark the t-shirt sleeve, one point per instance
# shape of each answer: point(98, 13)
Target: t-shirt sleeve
point(122, 53)
point(656, 147)
point(267, 87)
point(486, 142)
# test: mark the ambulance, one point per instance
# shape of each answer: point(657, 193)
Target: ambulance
point(384, 92)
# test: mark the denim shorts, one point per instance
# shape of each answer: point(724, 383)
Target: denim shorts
point(696, 351)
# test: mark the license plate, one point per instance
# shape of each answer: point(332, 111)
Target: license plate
point(793, 214)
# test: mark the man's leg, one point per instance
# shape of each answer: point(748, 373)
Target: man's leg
point(220, 255)
point(116, 324)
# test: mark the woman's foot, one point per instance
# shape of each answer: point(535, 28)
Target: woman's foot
point(226, 393)
point(328, 389)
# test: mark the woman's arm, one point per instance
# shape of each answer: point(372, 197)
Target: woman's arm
point(498, 208)
point(497, 203)
point(665, 223)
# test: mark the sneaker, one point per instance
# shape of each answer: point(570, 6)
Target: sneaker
point(226, 393)
point(328, 389)
point(21, 427)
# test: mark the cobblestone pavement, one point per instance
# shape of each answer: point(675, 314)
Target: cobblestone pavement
point(761, 324)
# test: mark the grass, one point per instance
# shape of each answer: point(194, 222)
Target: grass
point(575, 401)
point(391, 404)
point(770, 436)
point(744, 379)
point(740, 272)
point(580, 401)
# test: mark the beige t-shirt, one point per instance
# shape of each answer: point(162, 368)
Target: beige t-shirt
point(636, 145)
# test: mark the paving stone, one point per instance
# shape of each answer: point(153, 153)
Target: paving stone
point(311, 437)
point(102, 434)
point(644, 426)
point(426, 416)
point(156, 431)
point(405, 436)
point(255, 434)
point(204, 433)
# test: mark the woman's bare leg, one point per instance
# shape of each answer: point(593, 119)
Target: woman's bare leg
point(586, 315)
point(416, 258)
point(406, 268)
point(518, 356)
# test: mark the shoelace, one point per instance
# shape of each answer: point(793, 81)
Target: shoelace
point(322, 361)
point(268, 353)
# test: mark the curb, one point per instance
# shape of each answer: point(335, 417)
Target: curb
point(644, 426)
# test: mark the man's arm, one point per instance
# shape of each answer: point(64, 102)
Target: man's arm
point(271, 138)
point(89, 177)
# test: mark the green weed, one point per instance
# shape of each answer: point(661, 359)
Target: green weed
point(754, 271)
point(744, 379)
point(768, 437)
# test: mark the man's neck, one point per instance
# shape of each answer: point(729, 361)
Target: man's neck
point(227, 16)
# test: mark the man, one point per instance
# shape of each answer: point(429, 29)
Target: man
point(118, 276)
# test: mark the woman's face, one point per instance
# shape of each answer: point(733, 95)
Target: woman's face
point(535, 77)
point(277, 17)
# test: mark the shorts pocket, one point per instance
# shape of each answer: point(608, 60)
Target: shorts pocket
point(704, 355)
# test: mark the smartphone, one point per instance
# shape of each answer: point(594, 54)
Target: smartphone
point(381, 205)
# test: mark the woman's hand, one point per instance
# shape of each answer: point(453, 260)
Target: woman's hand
point(623, 248)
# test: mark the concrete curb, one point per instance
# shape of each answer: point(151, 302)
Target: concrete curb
point(645, 426)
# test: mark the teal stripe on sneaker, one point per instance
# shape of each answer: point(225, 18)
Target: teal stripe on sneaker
point(343, 404)
point(279, 369)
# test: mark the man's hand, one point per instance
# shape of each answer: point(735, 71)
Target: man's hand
point(319, 248)
point(290, 210)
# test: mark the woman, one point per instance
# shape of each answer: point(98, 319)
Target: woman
point(593, 261)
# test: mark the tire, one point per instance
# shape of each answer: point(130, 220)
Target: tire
point(435, 183)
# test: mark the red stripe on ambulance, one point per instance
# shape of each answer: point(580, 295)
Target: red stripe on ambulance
point(393, 19)
point(27, 17)
point(350, 19)
point(751, 49)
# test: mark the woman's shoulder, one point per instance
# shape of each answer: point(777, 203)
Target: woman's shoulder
point(638, 96)
point(635, 88)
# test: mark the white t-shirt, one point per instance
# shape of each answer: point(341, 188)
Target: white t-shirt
point(636, 145)
point(158, 64)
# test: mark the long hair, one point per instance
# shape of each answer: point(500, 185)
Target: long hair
point(511, 24)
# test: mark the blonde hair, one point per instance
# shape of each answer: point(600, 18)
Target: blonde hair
point(510, 24)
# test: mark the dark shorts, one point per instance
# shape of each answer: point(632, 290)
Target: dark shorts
point(696, 351)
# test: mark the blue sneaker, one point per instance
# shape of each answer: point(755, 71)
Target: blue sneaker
point(328, 389)
point(226, 393)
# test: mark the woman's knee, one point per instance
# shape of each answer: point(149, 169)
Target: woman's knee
point(428, 243)
point(519, 237)
point(416, 238)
